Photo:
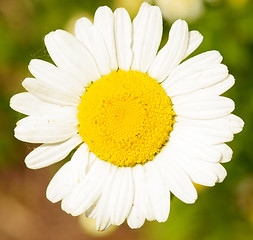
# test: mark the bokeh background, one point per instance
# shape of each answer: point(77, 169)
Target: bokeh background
point(222, 212)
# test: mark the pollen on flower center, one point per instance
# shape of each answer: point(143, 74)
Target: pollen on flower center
point(125, 118)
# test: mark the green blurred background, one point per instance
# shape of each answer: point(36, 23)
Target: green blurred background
point(222, 212)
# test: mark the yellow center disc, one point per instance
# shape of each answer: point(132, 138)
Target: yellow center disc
point(125, 118)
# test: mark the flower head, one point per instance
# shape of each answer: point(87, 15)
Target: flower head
point(143, 124)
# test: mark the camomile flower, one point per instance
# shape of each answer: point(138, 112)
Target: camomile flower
point(144, 123)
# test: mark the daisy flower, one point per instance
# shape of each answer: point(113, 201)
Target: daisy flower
point(144, 123)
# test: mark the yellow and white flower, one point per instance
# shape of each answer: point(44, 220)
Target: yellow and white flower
point(144, 124)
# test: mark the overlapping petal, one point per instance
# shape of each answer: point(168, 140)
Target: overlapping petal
point(147, 33)
point(51, 94)
point(88, 190)
point(28, 104)
point(47, 129)
point(68, 175)
point(172, 53)
point(47, 154)
point(123, 38)
point(104, 21)
point(71, 56)
point(91, 37)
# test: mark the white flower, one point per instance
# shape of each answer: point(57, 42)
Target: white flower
point(157, 124)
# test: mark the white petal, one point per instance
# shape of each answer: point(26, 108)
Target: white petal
point(196, 78)
point(172, 53)
point(214, 128)
point(205, 58)
point(220, 172)
point(68, 176)
point(217, 89)
point(88, 190)
point(195, 39)
point(218, 124)
point(104, 204)
point(91, 37)
point(206, 132)
point(49, 93)
point(92, 159)
point(226, 152)
point(199, 62)
point(199, 171)
point(47, 154)
point(61, 184)
point(104, 21)
point(123, 38)
point(159, 195)
point(140, 208)
point(91, 211)
point(206, 108)
point(147, 33)
point(72, 56)
point(103, 226)
point(55, 77)
point(174, 176)
point(214, 90)
point(28, 104)
point(195, 149)
point(123, 196)
point(235, 123)
point(48, 129)
point(81, 158)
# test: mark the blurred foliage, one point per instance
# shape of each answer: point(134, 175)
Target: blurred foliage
point(223, 212)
